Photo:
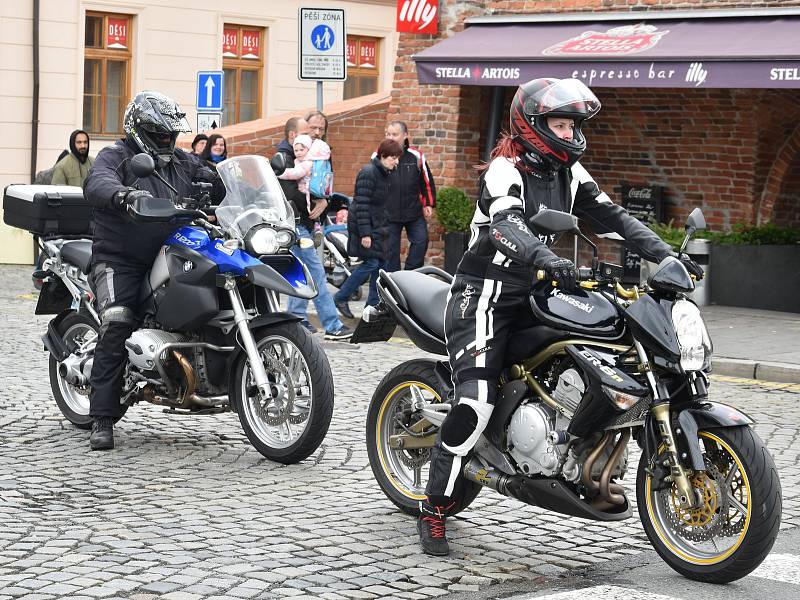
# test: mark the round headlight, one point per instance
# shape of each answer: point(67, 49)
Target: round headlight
point(263, 241)
point(693, 338)
point(285, 238)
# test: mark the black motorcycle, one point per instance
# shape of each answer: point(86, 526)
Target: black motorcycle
point(594, 369)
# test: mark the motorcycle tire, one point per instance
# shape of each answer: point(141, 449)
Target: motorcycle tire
point(292, 424)
point(399, 472)
point(740, 475)
point(73, 401)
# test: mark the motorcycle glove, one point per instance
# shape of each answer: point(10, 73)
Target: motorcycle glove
point(562, 271)
point(692, 266)
point(128, 196)
point(509, 233)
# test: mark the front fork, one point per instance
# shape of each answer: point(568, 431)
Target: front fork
point(660, 412)
point(241, 319)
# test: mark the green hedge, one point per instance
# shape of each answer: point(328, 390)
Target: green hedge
point(454, 209)
point(741, 235)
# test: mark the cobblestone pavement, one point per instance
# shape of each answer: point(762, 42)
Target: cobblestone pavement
point(184, 508)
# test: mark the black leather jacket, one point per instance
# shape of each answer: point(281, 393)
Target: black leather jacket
point(504, 243)
point(117, 238)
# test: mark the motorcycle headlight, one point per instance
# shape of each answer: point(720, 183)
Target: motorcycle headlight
point(693, 338)
point(285, 238)
point(263, 240)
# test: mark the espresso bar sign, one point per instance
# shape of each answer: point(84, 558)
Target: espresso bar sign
point(644, 204)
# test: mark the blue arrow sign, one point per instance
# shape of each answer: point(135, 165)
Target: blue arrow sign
point(209, 91)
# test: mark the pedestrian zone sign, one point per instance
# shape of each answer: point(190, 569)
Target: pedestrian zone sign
point(323, 44)
point(209, 91)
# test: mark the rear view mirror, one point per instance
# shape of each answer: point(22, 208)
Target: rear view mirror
point(696, 221)
point(550, 221)
point(142, 165)
point(278, 163)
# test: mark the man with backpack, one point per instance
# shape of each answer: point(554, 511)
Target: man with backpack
point(73, 168)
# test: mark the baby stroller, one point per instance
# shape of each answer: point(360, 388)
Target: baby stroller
point(335, 259)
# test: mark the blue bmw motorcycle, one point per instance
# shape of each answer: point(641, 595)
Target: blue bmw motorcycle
point(213, 337)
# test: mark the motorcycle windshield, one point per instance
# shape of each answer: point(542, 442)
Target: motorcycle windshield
point(253, 196)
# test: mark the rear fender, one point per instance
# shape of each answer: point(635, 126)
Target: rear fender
point(52, 340)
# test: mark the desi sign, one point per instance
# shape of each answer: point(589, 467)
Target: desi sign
point(117, 33)
point(251, 42)
point(352, 53)
point(417, 16)
point(366, 57)
point(230, 43)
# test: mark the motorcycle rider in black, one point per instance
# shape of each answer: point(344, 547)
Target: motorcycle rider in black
point(533, 168)
point(123, 250)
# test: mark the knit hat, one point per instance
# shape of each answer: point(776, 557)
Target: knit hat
point(303, 139)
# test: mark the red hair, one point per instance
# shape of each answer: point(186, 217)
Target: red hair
point(389, 148)
point(506, 147)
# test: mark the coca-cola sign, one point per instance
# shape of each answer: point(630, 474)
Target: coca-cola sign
point(628, 39)
point(417, 16)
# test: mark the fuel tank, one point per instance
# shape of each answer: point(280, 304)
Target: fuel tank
point(582, 311)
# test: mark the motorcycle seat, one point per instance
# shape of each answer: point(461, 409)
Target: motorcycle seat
point(78, 253)
point(426, 298)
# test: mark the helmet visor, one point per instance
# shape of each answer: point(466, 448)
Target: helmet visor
point(570, 95)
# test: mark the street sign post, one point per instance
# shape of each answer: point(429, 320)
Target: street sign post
point(322, 43)
point(209, 91)
point(208, 121)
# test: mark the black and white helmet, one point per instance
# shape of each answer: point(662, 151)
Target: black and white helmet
point(152, 123)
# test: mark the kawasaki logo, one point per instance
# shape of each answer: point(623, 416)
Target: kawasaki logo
point(584, 306)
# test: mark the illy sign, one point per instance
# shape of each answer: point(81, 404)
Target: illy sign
point(417, 16)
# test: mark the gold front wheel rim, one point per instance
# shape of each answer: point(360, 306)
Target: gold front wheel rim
point(693, 551)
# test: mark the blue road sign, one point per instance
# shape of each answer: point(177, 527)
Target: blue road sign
point(322, 37)
point(209, 91)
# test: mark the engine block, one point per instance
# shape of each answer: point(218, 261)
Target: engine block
point(144, 343)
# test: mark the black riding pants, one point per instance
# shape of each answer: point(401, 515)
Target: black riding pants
point(116, 287)
point(481, 314)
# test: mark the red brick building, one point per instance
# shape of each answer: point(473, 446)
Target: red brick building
point(733, 151)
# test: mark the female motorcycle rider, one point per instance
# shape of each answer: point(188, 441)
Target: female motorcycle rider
point(533, 168)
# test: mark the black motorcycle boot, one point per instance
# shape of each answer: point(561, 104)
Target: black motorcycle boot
point(431, 528)
point(102, 437)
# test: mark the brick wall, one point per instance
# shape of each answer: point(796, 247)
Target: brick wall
point(727, 151)
point(355, 129)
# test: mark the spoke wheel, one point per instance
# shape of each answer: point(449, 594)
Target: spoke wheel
point(402, 473)
point(77, 331)
point(291, 421)
point(735, 523)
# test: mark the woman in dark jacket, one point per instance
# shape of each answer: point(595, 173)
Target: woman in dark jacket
point(215, 152)
point(366, 225)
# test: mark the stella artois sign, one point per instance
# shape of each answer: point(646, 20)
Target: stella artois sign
point(628, 39)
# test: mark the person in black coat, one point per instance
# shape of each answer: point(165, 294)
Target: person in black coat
point(123, 250)
point(366, 224)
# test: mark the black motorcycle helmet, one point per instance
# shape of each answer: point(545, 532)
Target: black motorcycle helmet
point(152, 123)
point(539, 99)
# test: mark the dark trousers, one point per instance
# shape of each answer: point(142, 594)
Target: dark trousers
point(417, 233)
point(481, 314)
point(116, 287)
point(368, 269)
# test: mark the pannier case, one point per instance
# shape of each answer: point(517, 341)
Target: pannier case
point(47, 210)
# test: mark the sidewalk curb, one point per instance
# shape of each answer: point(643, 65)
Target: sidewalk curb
point(762, 370)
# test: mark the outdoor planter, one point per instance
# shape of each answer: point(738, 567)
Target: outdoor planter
point(763, 276)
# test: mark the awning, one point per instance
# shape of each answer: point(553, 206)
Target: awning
point(690, 49)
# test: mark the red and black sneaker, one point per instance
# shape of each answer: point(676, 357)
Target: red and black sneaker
point(431, 528)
